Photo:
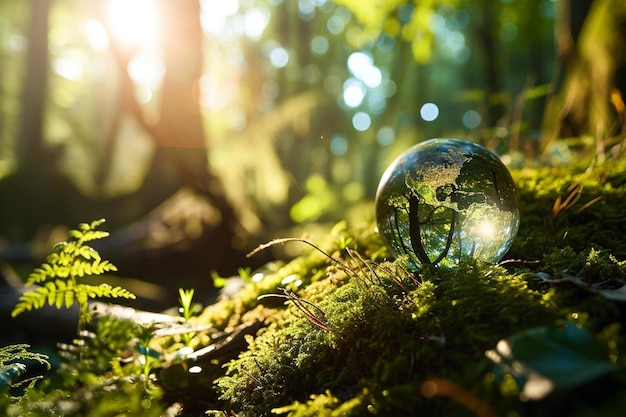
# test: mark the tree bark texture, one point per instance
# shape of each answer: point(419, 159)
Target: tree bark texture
point(591, 42)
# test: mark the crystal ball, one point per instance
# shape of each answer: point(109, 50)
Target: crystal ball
point(446, 199)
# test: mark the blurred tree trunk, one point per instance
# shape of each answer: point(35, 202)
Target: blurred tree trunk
point(36, 193)
point(192, 230)
point(495, 109)
point(182, 225)
point(30, 142)
point(591, 43)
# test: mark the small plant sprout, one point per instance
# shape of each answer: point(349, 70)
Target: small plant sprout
point(186, 309)
point(185, 299)
point(149, 357)
point(57, 278)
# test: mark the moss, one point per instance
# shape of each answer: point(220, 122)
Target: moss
point(362, 336)
point(565, 207)
point(382, 338)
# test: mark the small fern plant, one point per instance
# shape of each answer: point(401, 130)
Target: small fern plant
point(56, 278)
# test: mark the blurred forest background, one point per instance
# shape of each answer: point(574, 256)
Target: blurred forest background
point(200, 129)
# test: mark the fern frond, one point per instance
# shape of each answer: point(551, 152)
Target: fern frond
point(20, 352)
point(82, 268)
point(39, 275)
point(33, 299)
point(104, 291)
point(56, 277)
point(93, 235)
point(89, 253)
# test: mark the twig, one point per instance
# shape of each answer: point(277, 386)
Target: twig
point(445, 388)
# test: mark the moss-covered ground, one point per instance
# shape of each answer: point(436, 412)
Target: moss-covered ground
point(343, 330)
point(362, 335)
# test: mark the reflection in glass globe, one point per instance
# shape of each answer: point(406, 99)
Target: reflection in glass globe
point(445, 199)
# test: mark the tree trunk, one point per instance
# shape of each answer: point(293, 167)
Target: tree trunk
point(192, 232)
point(30, 145)
point(591, 40)
point(36, 193)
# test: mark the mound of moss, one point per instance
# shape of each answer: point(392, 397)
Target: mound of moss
point(344, 330)
point(360, 335)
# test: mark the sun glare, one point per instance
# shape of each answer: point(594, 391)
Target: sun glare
point(133, 22)
point(96, 34)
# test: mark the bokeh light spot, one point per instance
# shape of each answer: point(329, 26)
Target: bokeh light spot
point(362, 66)
point(96, 34)
point(471, 119)
point(67, 68)
point(338, 145)
point(353, 92)
point(306, 10)
point(361, 121)
point(279, 57)
point(385, 136)
point(429, 112)
point(508, 32)
point(319, 45)
point(146, 68)
point(335, 25)
point(255, 22)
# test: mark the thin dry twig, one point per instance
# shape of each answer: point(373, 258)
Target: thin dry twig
point(315, 317)
point(284, 240)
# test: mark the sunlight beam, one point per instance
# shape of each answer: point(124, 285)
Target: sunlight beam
point(133, 22)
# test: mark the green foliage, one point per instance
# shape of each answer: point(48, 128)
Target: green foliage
point(13, 363)
point(100, 374)
point(346, 332)
point(57, 276)
point(407, 20)
point(108, 397)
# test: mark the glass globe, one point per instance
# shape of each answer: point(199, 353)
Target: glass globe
point(445, 199)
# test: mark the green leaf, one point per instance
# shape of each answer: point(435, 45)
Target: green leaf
point(545, 359)
point(538, 91)
point(51, 291)
point(68, 299)
point(81, 296)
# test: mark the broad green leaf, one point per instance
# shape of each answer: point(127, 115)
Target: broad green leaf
point(545, 359)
